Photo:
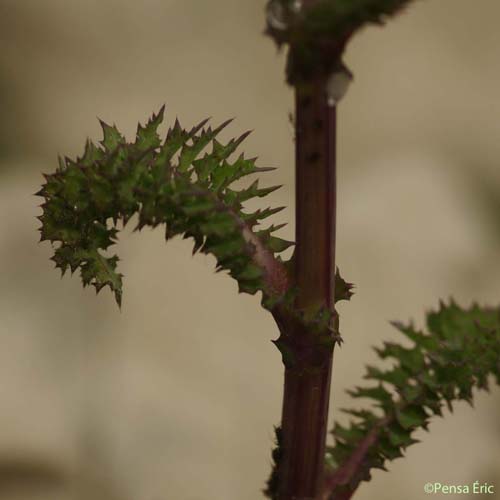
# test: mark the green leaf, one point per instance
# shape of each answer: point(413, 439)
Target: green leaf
point(347, 434)
point(398, 377)
point(389, 450)
point(317, 36)
point(192, 197)
point(251, 272)
point(92, 154)
point(379, 394)
point(411, 416)
point(278, 245)
point(271, 490)
point(457, 354)
point(190, 152)
point(343, 289)
point(147, 137)
point(400, 436)
point(112, 137)
point(412, 359)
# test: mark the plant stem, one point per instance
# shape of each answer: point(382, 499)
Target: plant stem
point(307, 382)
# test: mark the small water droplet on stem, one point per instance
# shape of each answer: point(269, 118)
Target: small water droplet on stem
point(337, 84)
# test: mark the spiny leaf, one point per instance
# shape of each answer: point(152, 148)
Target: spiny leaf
point(459, 352)
point(343, 289)
point(85, 199)
point(400, 436)
point(259, 215)
point(147, 137)
point(112, 137)
point(190, 152)
point(379, 394)
point(318, 33)
point(271, 490)
point(411, 416)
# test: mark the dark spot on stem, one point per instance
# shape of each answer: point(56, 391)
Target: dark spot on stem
point(306, 101)
point(313, 157)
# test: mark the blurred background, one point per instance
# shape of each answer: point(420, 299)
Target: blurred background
point(175, 397)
